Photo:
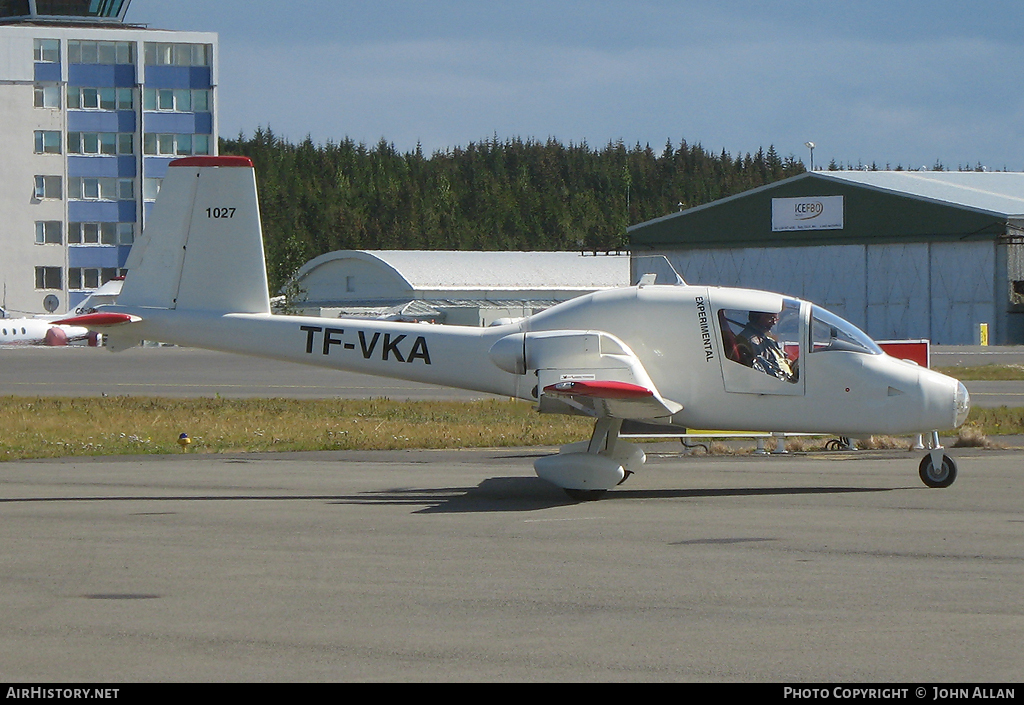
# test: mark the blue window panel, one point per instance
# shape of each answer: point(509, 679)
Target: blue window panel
point(124, 76)
point(168, 77)
point(126, 211)
point(148, 212)
point(126, 121)
point(91, 75)
point(122, 255)
point(101, 211)
point(170, 123)
point(204, 123)
point(200, 77)
point(123, 166)
point(93, 166)
point(93, 121)
point(47, 72)
point(127, 166)
point(92, 256)
point(95, 211)
point(156, 167)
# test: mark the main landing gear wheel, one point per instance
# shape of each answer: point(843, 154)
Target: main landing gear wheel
point(942, 476)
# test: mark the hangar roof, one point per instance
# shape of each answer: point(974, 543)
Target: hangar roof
point(878, 206)
point(999, 192)
point(462, 270)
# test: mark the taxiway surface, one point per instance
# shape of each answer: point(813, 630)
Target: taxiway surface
point(187, 372)
point(190, 372)
point(462, 565)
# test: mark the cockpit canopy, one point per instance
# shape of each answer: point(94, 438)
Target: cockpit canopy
point(765, 337)
point(830, 332)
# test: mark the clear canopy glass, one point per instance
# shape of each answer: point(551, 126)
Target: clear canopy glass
point(830, 332)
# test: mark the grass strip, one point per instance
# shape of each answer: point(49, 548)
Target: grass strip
point(49, 427)
point(984, 372)
point(58, 427)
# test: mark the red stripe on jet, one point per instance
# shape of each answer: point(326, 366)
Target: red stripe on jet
point(98, 320)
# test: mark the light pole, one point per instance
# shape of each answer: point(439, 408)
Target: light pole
point(810, 146)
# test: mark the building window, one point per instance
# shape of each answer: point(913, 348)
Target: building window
point(101, 233)
point(93, 188)
point(47, 142)
point(164, 54)
point(80, 98)
point(175, 145)
point(176, 100)
point(89, 52)
point(89, 277)
point(150, 188)
point(48, 187)
point(47, 95)
point(46, 50)
point(101, 143)
point(48, 232)
point(48, 278)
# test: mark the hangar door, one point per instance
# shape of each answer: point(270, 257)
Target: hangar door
point(940, 291)
point(897, 291)
point(963, 291)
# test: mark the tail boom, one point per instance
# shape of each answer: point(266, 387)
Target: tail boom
point(451, 356)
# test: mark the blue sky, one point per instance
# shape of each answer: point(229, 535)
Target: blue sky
point(895, 82)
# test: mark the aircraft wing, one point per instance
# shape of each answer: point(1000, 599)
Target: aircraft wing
point(584, 372)
point(621, 400)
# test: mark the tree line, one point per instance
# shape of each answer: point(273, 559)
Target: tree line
point(515, 194)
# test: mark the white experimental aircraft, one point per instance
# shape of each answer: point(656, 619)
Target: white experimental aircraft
point(657, 353)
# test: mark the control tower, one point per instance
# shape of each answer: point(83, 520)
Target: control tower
point(63, 10)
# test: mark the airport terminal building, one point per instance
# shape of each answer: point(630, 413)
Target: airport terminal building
point(93, 111)
point(901, 254)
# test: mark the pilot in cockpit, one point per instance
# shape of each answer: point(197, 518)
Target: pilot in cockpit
point(759, 349)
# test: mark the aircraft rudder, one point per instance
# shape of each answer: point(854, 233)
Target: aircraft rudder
point(224, 266)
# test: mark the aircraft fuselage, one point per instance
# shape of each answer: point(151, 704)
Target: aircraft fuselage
point(674, 331)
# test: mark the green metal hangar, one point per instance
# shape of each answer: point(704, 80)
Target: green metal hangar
point(901, 254)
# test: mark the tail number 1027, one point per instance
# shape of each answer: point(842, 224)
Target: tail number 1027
point(220, 212)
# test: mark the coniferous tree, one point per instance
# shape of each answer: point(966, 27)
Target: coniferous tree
point(514, 194)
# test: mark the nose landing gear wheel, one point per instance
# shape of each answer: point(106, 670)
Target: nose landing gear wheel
point(941, 476)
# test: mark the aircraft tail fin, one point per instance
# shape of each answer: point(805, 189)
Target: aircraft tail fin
point(202, 249)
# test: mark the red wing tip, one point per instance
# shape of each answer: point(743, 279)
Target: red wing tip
point(604, 390)
point(213, 161)
point(98, 320)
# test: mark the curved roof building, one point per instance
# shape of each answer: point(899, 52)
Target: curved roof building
point(462, 287)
